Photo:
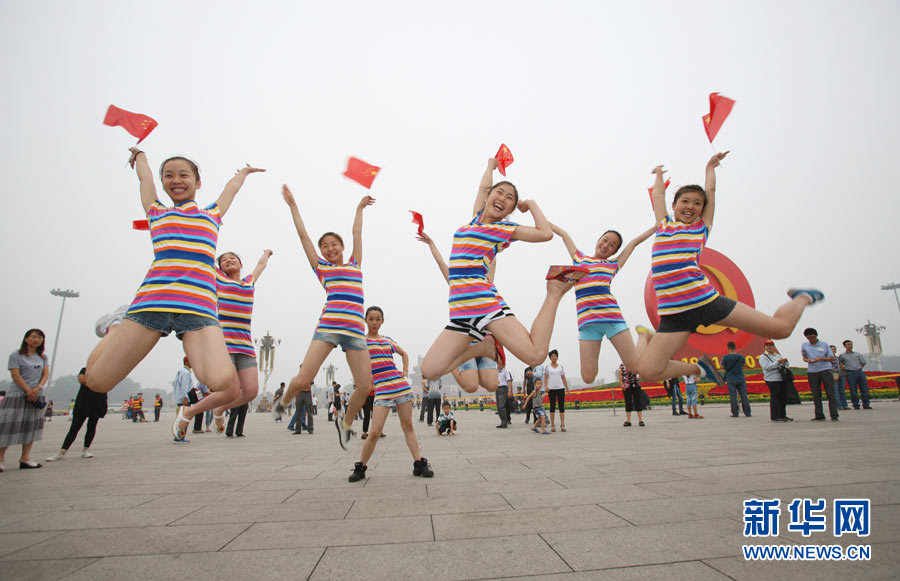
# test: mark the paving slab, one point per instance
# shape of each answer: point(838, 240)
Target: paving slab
point(523, 522)
point(355, 532)
point(685, 571)
point(44, 569)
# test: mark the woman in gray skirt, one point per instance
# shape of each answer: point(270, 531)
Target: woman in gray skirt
point(21, 411)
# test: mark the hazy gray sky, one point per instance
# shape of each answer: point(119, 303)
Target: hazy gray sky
point(589, 96)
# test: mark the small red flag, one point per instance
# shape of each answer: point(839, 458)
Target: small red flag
point(361, 172)
point(504, 158)
point(134, 123)
point(719, 108)
point(141, 224)
point(665, 186)
point(417, 219)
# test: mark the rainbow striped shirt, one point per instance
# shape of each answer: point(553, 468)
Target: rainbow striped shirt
point(388, 380)
point(182, 276)
point(343, 310)
point(474, 247)
point(235, 311)
point(593, 300)
point(680, 284)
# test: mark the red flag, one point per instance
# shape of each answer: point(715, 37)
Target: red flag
point(134, 123)
point(504, 158)
point(361, 172)
point(666, 187)
point(141, 224)
point(417, 219)
point(719, 108)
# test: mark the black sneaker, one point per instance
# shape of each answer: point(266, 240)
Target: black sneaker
point(421, 468)
point(359, 472)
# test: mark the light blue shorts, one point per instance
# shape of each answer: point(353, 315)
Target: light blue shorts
point(538, 413)
point(345, 342)
point(690, 394)
point(395, 401)
point(478, 363)
point(596, 331)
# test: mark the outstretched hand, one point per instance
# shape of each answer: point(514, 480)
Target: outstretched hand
point(658, 170)
point(288, 196)
point(424, 238)
point(716, 159)
point(493, 163)
point(134, 153)
point(267, 253)
point(365, 201)
point(248, 169)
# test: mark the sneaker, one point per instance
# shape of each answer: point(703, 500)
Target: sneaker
point(867, 407)
point(545, 433)
point(708, 371)
point(86, 454)
point(642, 330)
point(787, 419)
point(181, 441)
point(421, 468)
point(343, 433)
point(56, 457)
point(359, 472)
point(814, 295)
point(535, 430)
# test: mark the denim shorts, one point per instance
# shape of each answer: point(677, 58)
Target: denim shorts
point(690, 394)
point(538, 413)
point(596, 331)
point(242, 361)
point(166, 322)
point(689, 320)
point(478, 363)
point(345, 342)
point(395, 401)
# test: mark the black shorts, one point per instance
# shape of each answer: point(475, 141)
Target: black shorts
point(710, 313)
point(476, 327)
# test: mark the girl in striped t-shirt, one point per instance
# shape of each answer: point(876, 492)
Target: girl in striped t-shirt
point(341, 322)
point(235, 307)
point(179, 292)
point(391, 390)
point(684, 295)
point(474, 303)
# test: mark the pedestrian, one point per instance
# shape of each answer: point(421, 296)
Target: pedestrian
point(315, 404)
point(22, 410)
point(90, 406)
point(277, 396)
point(137, 408)
point(528, 384)
point(236, 417)
point(853, 362)
point(504, 387)
point(733, 364)
point(157, 407)
point(690, 395)
point(433, 400)
point(840, 380)
point(673, 386)
point(557, 387)
point(817, 354)
point(775, 366)
point(536, 400)
point(631, 388)
point(48, 412)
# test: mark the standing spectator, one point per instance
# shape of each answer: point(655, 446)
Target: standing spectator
point(21, 411)
point(72, 409)
point(631, 387)
point(817, 354)
point(367, 413)
point(315, 404)
point(304, 412)
point(840, 380)
point(673, 386)
point(48, 413)
point(237, 415)
point(183, 391)
point(557, 386)
point(433, 400)
point(853, 363)
point(157, 407)
point(336, 398)
point(200, 391)
point(536, 400)
point(90, 406)
point(528, 384)
point(137, 408)
point(733, 364)
point(129, 414)
point(277, 397)
point(773, 365)
point(690, 394)
point(504, 385)
point(423, 402)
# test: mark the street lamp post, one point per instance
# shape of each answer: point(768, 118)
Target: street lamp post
point(267, 345)
point(65, 294)
point(893, 286)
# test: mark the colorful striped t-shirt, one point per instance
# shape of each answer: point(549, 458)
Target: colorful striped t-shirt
point(474, 247)
point(182, 276)
point(388, 380)
point(680, 284)
point(343, 310)
point(593, 300)
point(235, 311)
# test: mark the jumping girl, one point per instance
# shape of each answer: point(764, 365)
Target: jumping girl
point(685, 297)
point(478, 370)
point(598, 311)
point(179, 292)
point(235, 304)
point(392, 389)
point(475, 306)
point(341, 323)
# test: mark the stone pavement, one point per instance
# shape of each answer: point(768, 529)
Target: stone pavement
point(598, 502)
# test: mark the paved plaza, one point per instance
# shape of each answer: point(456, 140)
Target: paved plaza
point(599, 502)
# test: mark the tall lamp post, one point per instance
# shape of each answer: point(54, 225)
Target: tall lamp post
point(267, 345)
point(893, 286)
point(65, 294)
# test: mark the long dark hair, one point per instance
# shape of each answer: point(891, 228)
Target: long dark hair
point(23, 349)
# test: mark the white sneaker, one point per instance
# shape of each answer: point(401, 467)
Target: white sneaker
point(56, 457)
point(86, 454)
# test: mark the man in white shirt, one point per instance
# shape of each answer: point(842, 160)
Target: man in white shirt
point(504, 383)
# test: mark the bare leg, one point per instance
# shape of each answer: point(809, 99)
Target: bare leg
point(212, 365)
point(361, 369)
point(488, 379)
point(590, 351)
point(450, 350)
point(467, 380)
point(404, 412)
point(99, 347)
point(562, 420)
point(778, 326)
point(631, 355)
point(379, 417)
point(121, 353)
point(656, 360)
point(315, 356)
point(26, 452)
point(248, 382)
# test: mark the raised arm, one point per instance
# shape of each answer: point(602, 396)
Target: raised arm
point(436, 254)
point(484, 187)
point(567, 240)
point(629, 248)
point(308, 247)
point(233, 187)
point(357, 228)
point(658, 197)
point(709, 209)
point(261, 265)
point(138, 161)
point(540, 232)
